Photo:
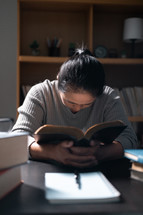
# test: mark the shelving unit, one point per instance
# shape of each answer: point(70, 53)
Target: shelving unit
point(88, 22)
point(113, 61)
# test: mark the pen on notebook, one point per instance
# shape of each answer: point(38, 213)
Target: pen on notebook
point(77, 179)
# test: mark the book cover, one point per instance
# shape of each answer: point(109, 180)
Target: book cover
point(13, 149)
point(94, 187)
point(105, 132)
point(134, 155)
point(9, 179)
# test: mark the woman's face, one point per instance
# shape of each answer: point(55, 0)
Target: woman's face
point(76, 101)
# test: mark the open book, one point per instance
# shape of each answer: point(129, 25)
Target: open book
point(104, 132)
point(95, 187)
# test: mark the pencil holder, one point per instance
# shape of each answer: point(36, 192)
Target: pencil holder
point(54, 51)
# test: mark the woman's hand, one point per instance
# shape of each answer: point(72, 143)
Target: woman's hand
point(65, 153)
point(76, 156)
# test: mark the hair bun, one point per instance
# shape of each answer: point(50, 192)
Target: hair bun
point(83, 51)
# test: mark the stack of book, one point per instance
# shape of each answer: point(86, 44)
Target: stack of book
point(13, 153)
point(136, 157)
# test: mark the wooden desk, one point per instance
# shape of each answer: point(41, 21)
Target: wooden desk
point(29, 198)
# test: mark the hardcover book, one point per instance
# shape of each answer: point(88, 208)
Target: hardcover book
point(9, 179)
point(137, 166)
point(13, 149)
point(104, 132)
point(134, 155)
point(137, 175)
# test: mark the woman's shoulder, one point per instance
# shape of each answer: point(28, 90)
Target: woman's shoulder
point(45, 85)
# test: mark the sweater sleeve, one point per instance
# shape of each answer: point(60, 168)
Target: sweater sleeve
point(32, 112)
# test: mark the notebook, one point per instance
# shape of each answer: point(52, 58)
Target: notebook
point(94, 187)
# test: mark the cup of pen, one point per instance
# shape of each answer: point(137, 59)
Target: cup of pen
point(54, 47)
point(54, 51)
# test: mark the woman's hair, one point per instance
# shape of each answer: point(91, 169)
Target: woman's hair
point(82, 71)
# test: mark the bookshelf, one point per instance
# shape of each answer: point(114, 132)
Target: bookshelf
point(88, 22)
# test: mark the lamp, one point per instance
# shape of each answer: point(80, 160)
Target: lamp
point(133, 32)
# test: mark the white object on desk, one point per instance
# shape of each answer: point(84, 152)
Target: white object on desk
point(95, 187)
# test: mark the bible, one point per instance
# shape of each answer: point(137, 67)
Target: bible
point(104, 132)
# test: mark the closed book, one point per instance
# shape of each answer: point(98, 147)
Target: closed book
point(94, 187)
point(137, 175)
point(13, 149)
point(137, 166)
point(9, 179)
point(134, 155)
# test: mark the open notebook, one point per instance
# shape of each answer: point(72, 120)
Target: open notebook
point(94, 187)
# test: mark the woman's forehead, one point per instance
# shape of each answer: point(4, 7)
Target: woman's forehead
point(82, 97)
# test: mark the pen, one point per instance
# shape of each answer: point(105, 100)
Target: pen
point(77, 179)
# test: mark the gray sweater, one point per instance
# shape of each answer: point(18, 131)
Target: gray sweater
point(43, 105)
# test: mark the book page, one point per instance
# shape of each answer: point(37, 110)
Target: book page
point(57, 129)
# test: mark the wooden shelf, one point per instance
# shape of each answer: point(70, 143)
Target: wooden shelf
point(88, 22)
point(41, 59)
point(121, 61)
point(46, 59)
point(135, 118)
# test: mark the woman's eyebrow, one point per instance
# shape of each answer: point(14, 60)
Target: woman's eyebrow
point(78, 104)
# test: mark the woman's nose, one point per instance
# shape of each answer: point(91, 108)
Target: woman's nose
point(77, 108)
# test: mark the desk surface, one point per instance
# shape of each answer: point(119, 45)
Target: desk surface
point(29, 198)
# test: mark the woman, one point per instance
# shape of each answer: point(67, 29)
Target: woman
point(77, 98)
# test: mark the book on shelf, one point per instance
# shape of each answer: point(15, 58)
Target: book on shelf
point(13, 149)
point(104, 132)
point(139, 98)
point(126, 96)
point(132, 100)
point(120, 94)
point(94, 187)
point(9, 179)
